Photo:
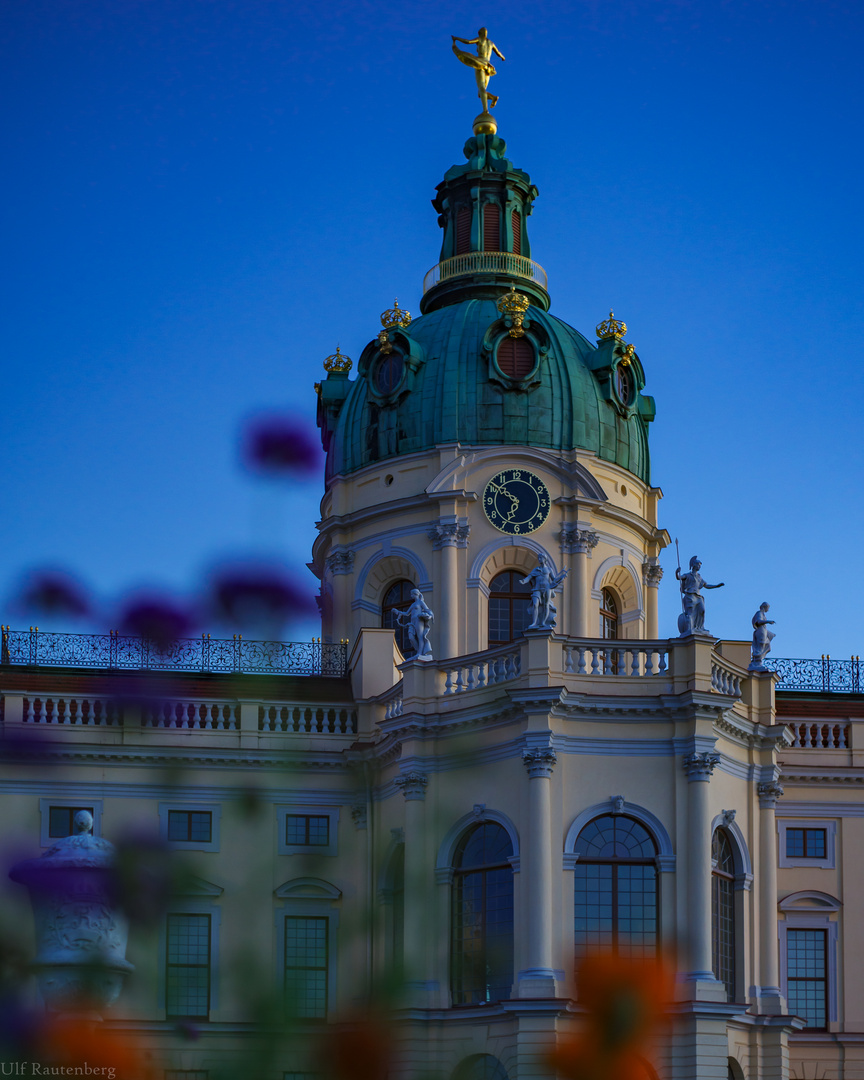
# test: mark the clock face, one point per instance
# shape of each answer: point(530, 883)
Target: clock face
point(516, 501)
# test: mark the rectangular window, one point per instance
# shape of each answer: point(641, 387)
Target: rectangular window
point(190, 825)
point(307, 830)
point(806, 843)
point(306, 966)
point(463, 230)
point(61, 820)
point(516, 222)
point(187, 979)
point(807, 977)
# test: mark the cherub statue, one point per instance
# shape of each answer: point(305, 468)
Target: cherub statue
point(543, 584)
point(483, 69)
point(692, 619)
point(762, 638)
point(418, 618)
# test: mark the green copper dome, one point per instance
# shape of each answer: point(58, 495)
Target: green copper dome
point(464, 372)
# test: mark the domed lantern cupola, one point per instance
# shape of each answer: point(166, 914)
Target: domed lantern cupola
point(483, 207)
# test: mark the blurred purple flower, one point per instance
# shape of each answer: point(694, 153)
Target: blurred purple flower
point(278, 446)
point(156, 618)
point(258, 596)
point(52, 592)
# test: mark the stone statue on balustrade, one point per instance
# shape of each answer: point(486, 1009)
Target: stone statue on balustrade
point(418, 619)
point(762, 638)
point(692, 618)
point(544, 584)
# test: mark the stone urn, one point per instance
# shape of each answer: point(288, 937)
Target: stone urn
point(80, 934)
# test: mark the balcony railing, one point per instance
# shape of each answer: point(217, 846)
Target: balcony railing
point(823, 675)
point(113, 651)
point(486, 262)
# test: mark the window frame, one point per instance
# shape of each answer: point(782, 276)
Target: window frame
point(45, 806)
point(512, 596)
point(191, 906)
point(309, 898)
point(400, 632)
point(461, 872)
point(285, 810)
point(812, 911)
point(785, 861)
point(723, 882)
point(215, 811)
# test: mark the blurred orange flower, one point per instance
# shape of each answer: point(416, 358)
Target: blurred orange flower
point(359, 1052)
point(68, 1042)
point(626, 1001)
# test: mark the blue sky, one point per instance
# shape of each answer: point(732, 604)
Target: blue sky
point(201, 199)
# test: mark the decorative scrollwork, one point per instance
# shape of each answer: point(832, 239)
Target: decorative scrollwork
point(611, 328)
point(122, 651)
point(338, 362)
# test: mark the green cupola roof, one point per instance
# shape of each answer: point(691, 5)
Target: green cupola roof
point(466, 371)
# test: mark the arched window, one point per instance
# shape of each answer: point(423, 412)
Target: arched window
point(509, 607)
point(516, 223)
point(397, 598)
point(616, 888)
point(608, 615)
point(723, 911)
point(463, 230)
point(481, 955)
point(491, 227)
point(480, 1067)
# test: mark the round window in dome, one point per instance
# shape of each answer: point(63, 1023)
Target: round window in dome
point(388, 373)
point(515, 357)
point(624, 384)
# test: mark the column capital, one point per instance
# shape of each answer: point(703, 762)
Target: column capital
point(539, 762)
point(412, 785)
point(769, 791)
point(574, 539)
point(340, 562)
point(448, 534)
point(700, 766)
point(652, 573)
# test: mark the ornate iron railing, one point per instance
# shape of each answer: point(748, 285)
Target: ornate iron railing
point(824, 674)
point(486, 262)
point(114, 651)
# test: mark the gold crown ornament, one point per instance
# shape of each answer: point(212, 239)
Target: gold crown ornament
point(514, 305)
point(611, 328)
point(628, 355)
point(338, 362)
point(395, 316)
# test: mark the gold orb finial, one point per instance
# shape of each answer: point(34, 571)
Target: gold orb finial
point(485, 124)
point(395, 316)
point(611, 328)
point(514, 305)
point(338, 362)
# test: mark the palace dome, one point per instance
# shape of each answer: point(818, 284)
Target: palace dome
point(464, 371)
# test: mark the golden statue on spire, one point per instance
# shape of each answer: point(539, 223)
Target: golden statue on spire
point(483, 69)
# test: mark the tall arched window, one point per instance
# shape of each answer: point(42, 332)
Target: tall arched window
point(723, 911)
point(509, 607)
point(481, 954)
point(463, 230)
point(608, 614)
point(491, 227)
point(397, 598)
point(616, 888)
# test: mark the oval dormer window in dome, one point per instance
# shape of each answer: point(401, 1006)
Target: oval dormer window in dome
point(624, 384)
point(515, 357)
point(387, 373)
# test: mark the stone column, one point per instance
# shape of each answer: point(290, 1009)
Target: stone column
point(446, 537)
point(418, 898)
point(769, 976)
point(699, 767)
point(652, 575)
point(339, 567)
point(578, 543)
point(537, 978)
